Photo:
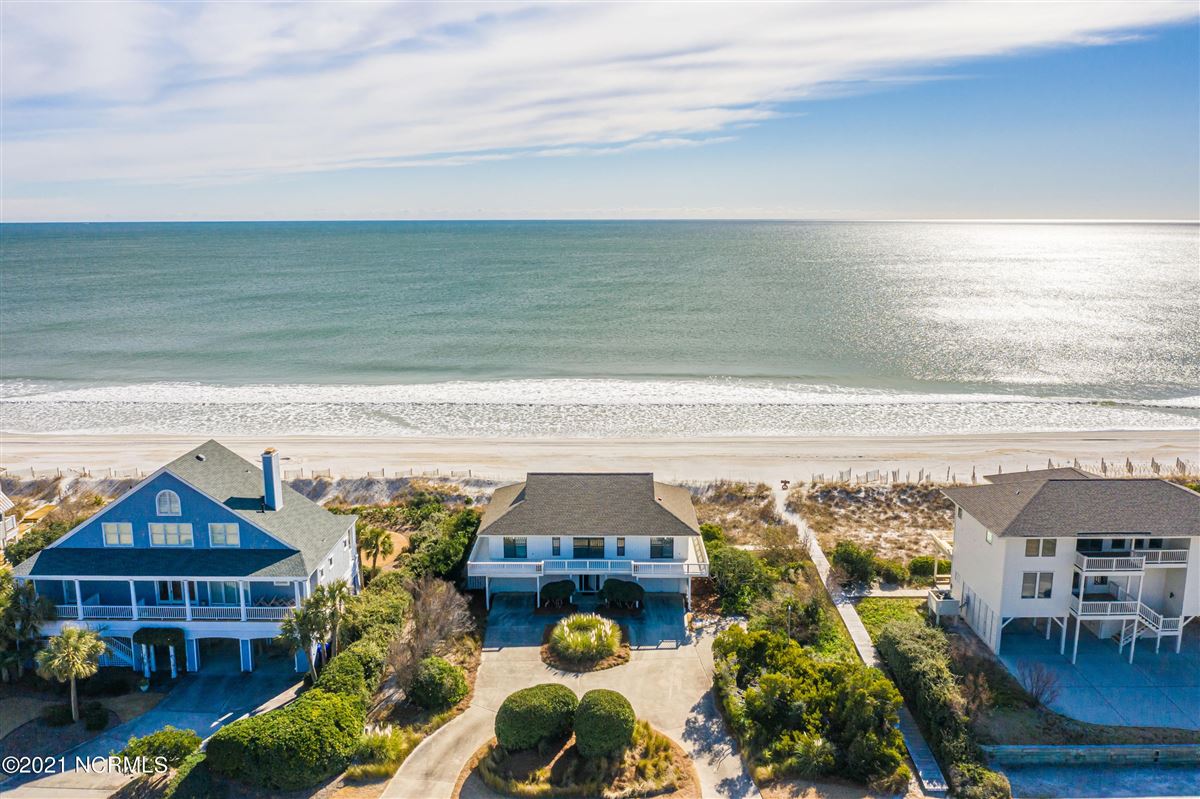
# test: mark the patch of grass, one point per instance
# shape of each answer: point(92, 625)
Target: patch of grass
point(552, 658)
point(381, 754)
point(745, 512)
point(878, 611)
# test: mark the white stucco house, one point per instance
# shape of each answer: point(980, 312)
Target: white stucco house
point(587, 528)
point(1065, 547)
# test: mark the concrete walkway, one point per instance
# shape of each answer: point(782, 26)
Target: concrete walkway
point(668, 680)
point(200, 702)
point(928, 772)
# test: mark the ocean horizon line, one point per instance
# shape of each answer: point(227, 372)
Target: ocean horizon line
point(618, 219)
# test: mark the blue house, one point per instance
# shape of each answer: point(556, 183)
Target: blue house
point(210, 544)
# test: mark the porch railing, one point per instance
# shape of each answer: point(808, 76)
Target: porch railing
point(219, 612)
point(66, 611)
point(161, 612)
point(534, 568)
point(108, 611)
point(1163, 557)
point(1118, 563)
point(1113, 607)
point(267, 613)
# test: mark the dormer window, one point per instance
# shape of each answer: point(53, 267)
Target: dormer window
point(168, 503)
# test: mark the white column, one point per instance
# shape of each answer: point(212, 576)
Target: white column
point(187, 599)
point(537, 582)
point(1075, 651)
point(78, 601)
point(242, 599)
point(487, 594)
point(174, 669)
point(296, 591)
point(1062, 647)
point(145, 662)
point(133, 600)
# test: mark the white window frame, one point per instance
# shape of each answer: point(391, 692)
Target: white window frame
point(122, 527)
point(174, 507)
point(237, 533)
point(224, 584)
point(191, 534)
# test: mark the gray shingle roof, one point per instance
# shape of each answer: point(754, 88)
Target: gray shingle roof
point(238, 484)
point(563, 503)
point(1061, 473)
point(1075, 506)
point(183, 563)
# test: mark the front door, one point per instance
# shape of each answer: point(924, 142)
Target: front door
point(589, 583)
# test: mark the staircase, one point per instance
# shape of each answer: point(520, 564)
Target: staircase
point(118, 653)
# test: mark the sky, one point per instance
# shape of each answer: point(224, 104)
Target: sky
point(882, 110)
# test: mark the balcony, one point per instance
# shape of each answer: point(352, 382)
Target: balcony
point(1100, 606)
point(535, 568)
point(1114, 562)
point(1163, 557)
point(174, 612)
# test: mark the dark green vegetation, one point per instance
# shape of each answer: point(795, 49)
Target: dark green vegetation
point(622, 594)
point(604, 723)
point(918, 658)
point(296, 746)
point(171, 744)
point(69, 513)
point(799, 716)
point(610, 754)
point(558, 593)
point(439, 684)
point(535, 715)
point(858, 564)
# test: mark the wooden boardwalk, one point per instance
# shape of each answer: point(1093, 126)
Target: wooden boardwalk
point(929, 773)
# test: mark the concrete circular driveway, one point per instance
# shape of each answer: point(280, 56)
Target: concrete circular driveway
point(668, 680)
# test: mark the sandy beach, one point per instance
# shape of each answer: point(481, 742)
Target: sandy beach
point(767, 459)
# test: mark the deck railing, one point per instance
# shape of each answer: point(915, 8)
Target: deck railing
point(217, 612)
point(1113, 607)
point(267, 613)
point(1163, 557)
point(534, 568)
point(66, 611)
point(175, 612)
point(162, 612)
point(108, 611)
point(1109, 563)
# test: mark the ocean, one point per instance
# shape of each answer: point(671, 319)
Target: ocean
point(598, 329)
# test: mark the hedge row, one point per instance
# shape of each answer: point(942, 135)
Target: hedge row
point(918, 658)
point(293, 747)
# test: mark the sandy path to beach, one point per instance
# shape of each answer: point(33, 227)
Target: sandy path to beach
point(671, 459)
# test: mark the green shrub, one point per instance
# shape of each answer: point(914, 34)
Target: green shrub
point(974, 781)
point(922, 566)
point(801, 754)
point(110, 681)
point(371, 654)
point(557, 593)
point(193, 780)
point(622, 593)
point(739, 577)
point(891, 571)
point(438, 684)
point(57, 715)
point(585, 637)
point(344, 675)
point(171, 744)
point(857, 562)
point(94, 715)
point(713, 535)
point(532, 715)
point(380, 754)
point(374, 612)
point(604, 723)
point(294, 747)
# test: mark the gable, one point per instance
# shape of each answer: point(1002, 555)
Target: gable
point(139, 507)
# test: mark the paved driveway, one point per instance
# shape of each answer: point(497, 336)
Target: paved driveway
point(200, 702)
point(1160, 689)
point(667, 680)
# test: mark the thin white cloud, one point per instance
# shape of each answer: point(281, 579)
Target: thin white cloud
point(179, 93)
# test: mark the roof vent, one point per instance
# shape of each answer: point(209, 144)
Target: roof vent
point(200, 456)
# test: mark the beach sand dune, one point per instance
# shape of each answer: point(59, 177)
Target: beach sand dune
point(768, 459)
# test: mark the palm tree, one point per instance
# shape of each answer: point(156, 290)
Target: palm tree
point(333, 598)
point(375, 541)
point(71, 655)
point(307, 626)
point(21, 619)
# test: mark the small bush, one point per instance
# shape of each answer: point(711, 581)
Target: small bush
point(922, 566)
point(856, 562)
point(294, 747)
point(973, 781)
point(713, 535)
point(110, 682)
point(57, 715)
point(94, 715)
point(371, 654)
point(171, 744)
point(380, 754)
point(557, 593)
point(533, 715)
point(585, 637)
point(604, 723)
point(438, 684)
point(739, 577)
point(622, 593)
point(193, 780)
point(344, 675)
point(891, 571)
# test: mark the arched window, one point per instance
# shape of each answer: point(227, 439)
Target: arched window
point(168, 503)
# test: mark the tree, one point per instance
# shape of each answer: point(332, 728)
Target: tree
point(22, 612)
point(304, 629)
point(69, 656)
point(375, 541)
point(332, 597)
point(739, 577)
point(439, 614)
